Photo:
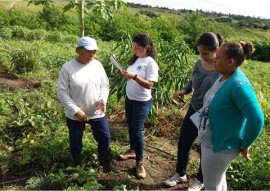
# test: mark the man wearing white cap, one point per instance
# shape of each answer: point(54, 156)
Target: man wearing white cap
point(83, 89)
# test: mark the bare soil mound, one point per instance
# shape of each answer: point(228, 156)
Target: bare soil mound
point(11, 83)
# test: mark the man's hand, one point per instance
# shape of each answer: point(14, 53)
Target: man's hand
point(101, 107)
point(81, 115)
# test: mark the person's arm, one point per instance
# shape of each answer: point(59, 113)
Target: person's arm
point(104, 86)
point(151, 75)
point(187, 89)
point(246, 100)
point(104, 91)
point(142, 82)
point(63, 92)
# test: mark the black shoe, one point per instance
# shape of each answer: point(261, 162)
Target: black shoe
point(77, 159)
point(105, 160)
point(110, 168)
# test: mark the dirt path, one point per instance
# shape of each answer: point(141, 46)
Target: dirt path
point(159, 167)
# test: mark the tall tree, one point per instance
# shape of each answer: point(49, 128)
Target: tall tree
point(103, 7)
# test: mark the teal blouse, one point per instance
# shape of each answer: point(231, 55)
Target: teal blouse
point(235, 116)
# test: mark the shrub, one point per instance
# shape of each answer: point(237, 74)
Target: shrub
point(20, 32)
point(71, 38)
point(38, 34)
point(53, 16)
point(262, 51)
point(55, 36)
point(55, 56)
point(5, 33)
point(25, 59)
point(20, 18)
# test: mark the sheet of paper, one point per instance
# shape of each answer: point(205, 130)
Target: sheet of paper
point(196, 118)
point(114, 61)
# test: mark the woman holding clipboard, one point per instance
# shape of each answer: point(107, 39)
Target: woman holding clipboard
point(141, 76)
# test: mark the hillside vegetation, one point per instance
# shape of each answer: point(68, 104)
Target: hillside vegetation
point(165, 24)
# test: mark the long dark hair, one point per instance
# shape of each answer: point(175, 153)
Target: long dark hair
point(144, 40)
point(210, 40)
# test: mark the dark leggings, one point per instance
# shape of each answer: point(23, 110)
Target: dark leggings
point(188, 134)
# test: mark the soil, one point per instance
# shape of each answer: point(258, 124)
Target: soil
point(159, 154)
point(159, 165)
point(10, 83)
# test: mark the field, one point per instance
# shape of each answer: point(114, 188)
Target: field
point(34, 151)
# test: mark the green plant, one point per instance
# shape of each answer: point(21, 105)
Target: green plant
point(33, 183)
point(46, 184)
point(84, 177)
point(53, 16)
point(20, 32)
point(254, 174)
point(92, 185)
point(193, 26)
point(5, 33)
point(56, 56)
point(122, 185)
point(55, 36)
point(37, 34)
point(3, 87)
point(174, 69)
point(26, 59)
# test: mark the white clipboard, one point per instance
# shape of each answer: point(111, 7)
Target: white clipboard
point(116, 63)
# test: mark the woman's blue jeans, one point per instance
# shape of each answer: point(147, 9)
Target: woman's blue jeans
point(136, 114)
point(100, 131)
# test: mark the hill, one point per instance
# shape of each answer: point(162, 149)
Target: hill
point(236, 20)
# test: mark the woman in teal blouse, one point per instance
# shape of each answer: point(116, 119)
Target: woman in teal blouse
point(232, 116)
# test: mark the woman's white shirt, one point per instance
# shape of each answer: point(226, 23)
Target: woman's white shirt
point(147, 69)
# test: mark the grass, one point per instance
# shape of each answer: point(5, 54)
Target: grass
point(157, 11)
point(21, 5)
point(248, 35)
point(257, 71)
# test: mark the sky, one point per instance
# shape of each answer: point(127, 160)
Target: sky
point(254, 8)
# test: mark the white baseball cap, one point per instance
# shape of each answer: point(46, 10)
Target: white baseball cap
point(88, 43)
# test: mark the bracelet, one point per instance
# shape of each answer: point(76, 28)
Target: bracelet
point(135, 77)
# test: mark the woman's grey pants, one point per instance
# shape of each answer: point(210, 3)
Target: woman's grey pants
point(214, 167)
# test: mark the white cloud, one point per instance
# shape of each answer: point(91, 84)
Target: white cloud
point(258, 8)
